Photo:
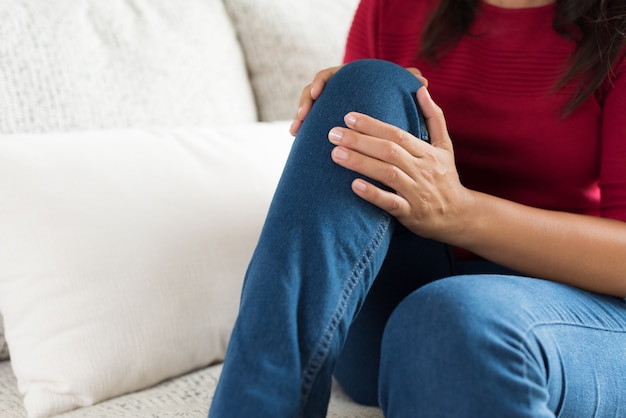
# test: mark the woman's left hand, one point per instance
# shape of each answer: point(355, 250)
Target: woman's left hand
point(429, 198)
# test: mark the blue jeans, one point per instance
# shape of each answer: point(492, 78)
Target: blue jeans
point(335, 285)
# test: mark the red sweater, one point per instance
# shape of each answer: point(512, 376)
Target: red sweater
point(503, 114)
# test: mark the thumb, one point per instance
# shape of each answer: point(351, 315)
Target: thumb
point(435, 121)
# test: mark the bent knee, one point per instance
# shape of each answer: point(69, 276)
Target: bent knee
point(374, 78)
point(463, 309)
point(449, 332)
point(381, 89)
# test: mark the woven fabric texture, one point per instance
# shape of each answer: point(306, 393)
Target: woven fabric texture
point(188, 396)
point(88, 64)
point(285, 43)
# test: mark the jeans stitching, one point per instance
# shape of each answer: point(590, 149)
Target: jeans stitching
point(573, 324)
point(320, 353)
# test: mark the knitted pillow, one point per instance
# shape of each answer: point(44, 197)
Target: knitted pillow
point(283, 57)
point(88, 64)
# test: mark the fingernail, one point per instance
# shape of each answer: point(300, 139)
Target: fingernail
point(299, 113)
point(350, 119)
point(340, 154)
point(360, 186)
point(335, 136)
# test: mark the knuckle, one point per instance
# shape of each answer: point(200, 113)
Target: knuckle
point(438, 110)
point(429, 157)
point(394, 204)
point(402, 136)
point(426, 173)
point(325, 74)
point(391, 173)
point(389, 151)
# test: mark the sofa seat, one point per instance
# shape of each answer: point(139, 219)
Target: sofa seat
point(187, 396)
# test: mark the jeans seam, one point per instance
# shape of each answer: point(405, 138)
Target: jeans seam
point(532, 328)
point(572, 324)
point(322, 349)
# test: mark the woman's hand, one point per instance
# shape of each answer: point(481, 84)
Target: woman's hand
point(312, 91)
point(580, 250)
point(429, 198)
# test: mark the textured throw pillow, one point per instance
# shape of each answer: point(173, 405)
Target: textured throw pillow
point(122, 253)
point(91, 64)
point(285, 43)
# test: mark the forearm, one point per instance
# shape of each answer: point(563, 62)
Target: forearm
point(583, 251)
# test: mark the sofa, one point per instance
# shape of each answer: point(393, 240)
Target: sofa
point(140, 143)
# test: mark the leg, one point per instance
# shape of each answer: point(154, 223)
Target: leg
point(318, 254)
point(411, 262)
point(496, 346)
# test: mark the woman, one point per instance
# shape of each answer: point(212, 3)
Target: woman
point(485, 279)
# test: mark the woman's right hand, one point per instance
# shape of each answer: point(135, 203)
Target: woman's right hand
point(312, 91)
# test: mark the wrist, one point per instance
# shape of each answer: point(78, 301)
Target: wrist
point(470, 217)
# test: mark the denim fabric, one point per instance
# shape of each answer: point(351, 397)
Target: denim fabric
point(318, 254)
point(504, 346)
point(332, 276)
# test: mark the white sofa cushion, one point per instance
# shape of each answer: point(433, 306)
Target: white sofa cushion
point(285, 43)
point(123, 252)
point(89, 64)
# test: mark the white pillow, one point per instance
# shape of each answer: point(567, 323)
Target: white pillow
point(92, 64)
point(285, 43)
point(122, 253)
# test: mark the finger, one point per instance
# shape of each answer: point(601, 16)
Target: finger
point(362, 145)
point(304, 106)
point(295, 127)
point(390, 202)
point(305, 103)
point(390, 174)
point(418, 74)
point(310, 93)
point(435, 120)
point(375, 128)
point(320, 80)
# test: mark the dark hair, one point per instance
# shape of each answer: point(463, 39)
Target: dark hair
point(597, 26)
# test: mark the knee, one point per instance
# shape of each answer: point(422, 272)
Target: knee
point(374, 81)
point(448, 318)
point(448, 333)
point(465, 317)
point(375, 73)
point(462, 307)
point(378, 88)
